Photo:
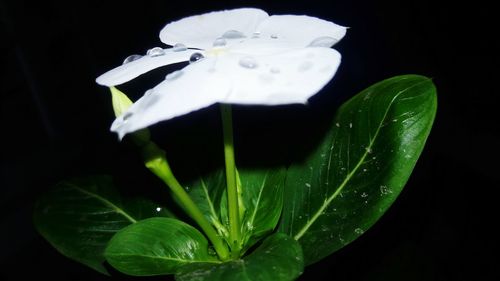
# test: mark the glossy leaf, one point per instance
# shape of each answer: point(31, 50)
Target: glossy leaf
point(78, 217)
point(261, 201)
point(361, 166)
point(279, 258)
point(157, 246)
point(262, 196)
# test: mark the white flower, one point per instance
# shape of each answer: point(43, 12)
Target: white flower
point(241, 56)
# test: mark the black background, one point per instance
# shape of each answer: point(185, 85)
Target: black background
point(55, 119)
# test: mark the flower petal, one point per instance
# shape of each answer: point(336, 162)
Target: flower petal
point(131, 70)
point(286, 78)
point(201, 31)
point(300, 31)
point(194, 87)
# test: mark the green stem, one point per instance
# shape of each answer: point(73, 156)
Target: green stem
point(232, 190)
point(156, 161)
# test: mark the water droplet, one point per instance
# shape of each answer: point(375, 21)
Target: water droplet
point(364, 194)
point(195, 57)
point(158, 209)
point(174, 75)
point(308, 184)
point(274, 36)
point(131, 58)
point(256, 34)
point(275, 70)
point(350, 125)
point(127, 116)
point(211, 251)
point(297, 258)
point(359, 231)
point(187, 188)
point(337, 124)
point(384, 190)
point(368, 149)
point(248, 62)
point(155, 52)
point(219, 42)
point(305, 66)
point(324, 41)
point(179, 47)
point(233, 34)
point(300, 217)
point(148, 92)
point(365, 170)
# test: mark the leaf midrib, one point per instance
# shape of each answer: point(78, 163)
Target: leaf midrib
point(105, 202)
point(350, 175)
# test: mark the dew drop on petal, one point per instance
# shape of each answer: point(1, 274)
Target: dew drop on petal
point(155, 52)
point(274, 36)
point(127, 116)
point(148, 92)
point(174, 75)
point(179, 47)
point(233, 34)
point(248, 62)
point(305, 66)
point(219, 42)
point(324, 41)
point(256, 34)
point(275, 70)
point(131, 58)
point(195, 57)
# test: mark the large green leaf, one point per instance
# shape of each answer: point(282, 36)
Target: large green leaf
point(157, 246)
point(279, 258)
point(78, 217)
point(260, 199)
point(361, 166)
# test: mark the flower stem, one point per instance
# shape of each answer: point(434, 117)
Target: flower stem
point(156, 162)
point(232, 190)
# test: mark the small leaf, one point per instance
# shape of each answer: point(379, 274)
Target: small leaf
point(78, 217)
point(157, 246)
point(279, 258)
point(262, 194)
point(361, 166)
point(261, 198)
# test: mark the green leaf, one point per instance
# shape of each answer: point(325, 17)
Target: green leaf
point(208, 193)
point(157, 246)
point(262, 196)
point(279, 258)
point(261, 201)
point(361, 166)
point(78, 217)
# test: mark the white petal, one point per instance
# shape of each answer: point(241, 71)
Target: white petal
point(195, 87)
point(290, 77)
point(131, 70)
point(201, 31)
point(300, 31)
